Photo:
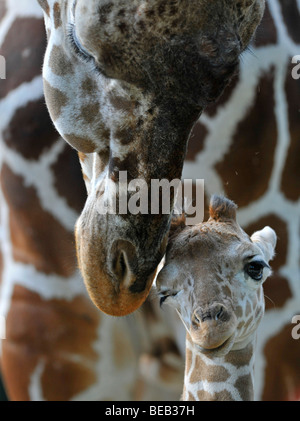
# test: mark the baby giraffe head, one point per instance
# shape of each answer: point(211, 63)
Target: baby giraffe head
point(213, 276)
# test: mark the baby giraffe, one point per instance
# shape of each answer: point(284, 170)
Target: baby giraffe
point(213, 276)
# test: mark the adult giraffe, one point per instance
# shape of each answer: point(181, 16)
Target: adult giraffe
point(58, 345)
point(124, 83)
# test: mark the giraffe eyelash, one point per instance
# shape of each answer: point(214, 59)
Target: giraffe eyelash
point(80, 52)
point(76, 46)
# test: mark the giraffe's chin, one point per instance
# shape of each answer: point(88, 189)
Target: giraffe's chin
point(219, 351)
point(115, 302)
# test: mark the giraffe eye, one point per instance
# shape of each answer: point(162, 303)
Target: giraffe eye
point(255, 269)
point(79, 50)
point(163, 299)
point(166, 294)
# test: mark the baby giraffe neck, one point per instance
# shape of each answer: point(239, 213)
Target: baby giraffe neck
point(228, 378)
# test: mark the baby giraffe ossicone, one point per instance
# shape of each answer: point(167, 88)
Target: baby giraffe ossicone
point(213, 277)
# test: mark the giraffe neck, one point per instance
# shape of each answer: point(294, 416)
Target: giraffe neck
point(222, 378)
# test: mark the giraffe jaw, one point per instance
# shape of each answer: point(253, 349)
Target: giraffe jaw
point(219, 351)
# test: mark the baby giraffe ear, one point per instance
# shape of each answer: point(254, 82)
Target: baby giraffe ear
point(44, 5)
point(266, 240)
point(222, 209)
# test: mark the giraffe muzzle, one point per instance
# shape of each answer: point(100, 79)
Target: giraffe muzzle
point(213, 326)
point(124, 262)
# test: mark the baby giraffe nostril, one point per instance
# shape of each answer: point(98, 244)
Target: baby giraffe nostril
point(215, 312)
point(219, 313)
point(212, 325)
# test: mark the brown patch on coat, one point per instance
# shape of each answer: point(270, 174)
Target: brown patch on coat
point(240, 358)
point(277, 291)
point(58, 62)
point(212, 109)
point(250, 158)
point(266, 33)
point(291, 16)
point(57, 334)
point(89, 113)
point(23, 48)
point(68, 179)
point(57, 17)
point(196, 141)
point(243, 385)
point(224, 395)
point(37, 238)
point(290, 183)
point(120, 103)
point(56, 100)
point(209, 373)
point(125, 135)
point(89, 87)
point(30, 131)
point(282, 371)
point(129, 164)
point(80, 144)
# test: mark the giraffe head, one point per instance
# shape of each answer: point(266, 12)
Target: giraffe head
point(124, 83)
point(213, 276)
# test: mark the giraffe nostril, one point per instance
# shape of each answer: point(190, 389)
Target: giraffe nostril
point(219, 313)
point(123, 262)
point(121, 265)
point(216, 311)
point(212, 325)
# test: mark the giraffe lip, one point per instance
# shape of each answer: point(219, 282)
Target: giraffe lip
point(220, 350)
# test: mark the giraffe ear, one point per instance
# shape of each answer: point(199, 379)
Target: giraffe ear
point(222, 209)
point(266, 240)
point(44, 5)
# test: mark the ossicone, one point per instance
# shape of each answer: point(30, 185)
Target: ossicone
point(222, 209)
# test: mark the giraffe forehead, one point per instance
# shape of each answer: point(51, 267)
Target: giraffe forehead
point(139, 41)
point(160, 17)
point(211, 244)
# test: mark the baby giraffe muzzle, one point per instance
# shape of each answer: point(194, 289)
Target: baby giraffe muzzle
point(212, 326)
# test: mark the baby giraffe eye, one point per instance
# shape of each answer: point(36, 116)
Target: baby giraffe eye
point(255, 269)
point(163, 299)
point(166, 294)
